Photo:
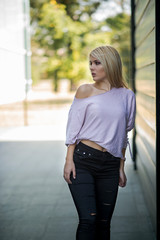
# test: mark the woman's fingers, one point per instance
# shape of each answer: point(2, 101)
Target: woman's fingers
point(68, 174)
point(68, 168)
point(122, 179)
point(74, 173)
point(122, 182)
point(67, 177)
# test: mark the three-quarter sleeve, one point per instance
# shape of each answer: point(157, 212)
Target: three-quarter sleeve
point(131, 113)
point(76, 117)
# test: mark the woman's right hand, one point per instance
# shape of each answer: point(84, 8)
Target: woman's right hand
point(68, 168)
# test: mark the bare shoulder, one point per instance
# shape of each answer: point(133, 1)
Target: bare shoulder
point(83, 91)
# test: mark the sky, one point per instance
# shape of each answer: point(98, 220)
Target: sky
point(109, 9)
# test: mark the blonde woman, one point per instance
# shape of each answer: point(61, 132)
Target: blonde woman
point(99, 119)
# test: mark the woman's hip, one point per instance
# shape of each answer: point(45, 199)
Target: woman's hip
point(96, 161)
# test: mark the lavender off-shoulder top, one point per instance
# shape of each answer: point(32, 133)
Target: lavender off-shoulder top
point(105, 118)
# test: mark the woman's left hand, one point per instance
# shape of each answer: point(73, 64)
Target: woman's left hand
point(122, 178)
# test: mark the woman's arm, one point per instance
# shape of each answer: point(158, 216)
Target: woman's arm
point(70, 151)
point(122, 160)
point(122, 176)
point(69, 164)
point(75, 121)
point(131, 113)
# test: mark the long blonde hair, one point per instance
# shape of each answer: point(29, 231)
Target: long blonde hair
point(111, 61)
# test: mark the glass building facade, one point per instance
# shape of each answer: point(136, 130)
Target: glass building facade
point(15, 52)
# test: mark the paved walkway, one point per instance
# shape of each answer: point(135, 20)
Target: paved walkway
point(35, 203)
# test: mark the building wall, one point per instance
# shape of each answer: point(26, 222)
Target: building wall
point(14, 50)
point(145, 85)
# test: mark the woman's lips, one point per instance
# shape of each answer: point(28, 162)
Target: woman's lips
point(93, 74)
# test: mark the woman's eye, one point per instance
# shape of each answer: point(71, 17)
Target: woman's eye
point(97, 63)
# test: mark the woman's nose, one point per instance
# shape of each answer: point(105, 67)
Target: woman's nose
point(92, 67)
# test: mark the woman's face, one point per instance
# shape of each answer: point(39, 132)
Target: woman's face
point(97, 70)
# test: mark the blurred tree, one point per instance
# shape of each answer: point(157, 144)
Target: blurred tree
point(64, 41)
point(63, 34)
point(35, 9)
point(78, 10)
point(120, 38)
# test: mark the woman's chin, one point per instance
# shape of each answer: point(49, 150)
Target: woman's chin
point(94, 78)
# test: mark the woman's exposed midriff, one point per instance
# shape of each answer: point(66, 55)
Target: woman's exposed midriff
point(93, 145)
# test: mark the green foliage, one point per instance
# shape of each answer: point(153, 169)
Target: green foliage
point(76, 9)
point(120, 38)
point(66, 41)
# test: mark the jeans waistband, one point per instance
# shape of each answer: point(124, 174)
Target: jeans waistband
point(94, 151)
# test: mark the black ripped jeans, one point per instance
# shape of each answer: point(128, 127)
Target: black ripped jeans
point(94, 191)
